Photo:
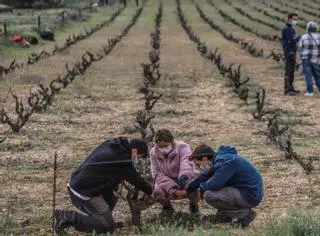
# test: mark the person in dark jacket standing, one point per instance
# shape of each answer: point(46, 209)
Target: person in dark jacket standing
point(92, 185)
point(289, 45)
point(229, 182)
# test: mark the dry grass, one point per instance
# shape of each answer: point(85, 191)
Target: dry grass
point(197, 106)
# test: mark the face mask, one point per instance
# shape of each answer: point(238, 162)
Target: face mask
point(166, 150)
point(204, 168)
point(136, 163)
point(294, 22)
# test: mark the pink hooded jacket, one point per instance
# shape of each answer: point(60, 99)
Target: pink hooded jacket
point(167, 169)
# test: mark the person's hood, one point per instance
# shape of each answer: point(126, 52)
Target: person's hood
point(226, 150)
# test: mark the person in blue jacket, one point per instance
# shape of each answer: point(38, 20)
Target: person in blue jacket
point(289, 44)
point(228, 182)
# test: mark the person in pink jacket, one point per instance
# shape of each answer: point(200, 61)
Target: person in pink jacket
point(172, 171)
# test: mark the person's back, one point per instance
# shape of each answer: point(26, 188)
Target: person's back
point(243, 174)
point(309, 47)
point(101, 170)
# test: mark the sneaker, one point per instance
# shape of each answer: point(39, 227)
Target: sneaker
point(244, 222)
point(222, 218)
point(208, 219)
point(291, 93)
point(296, 91)
point(308, 94)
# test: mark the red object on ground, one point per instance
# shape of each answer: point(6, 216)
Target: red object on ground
point(17, 38)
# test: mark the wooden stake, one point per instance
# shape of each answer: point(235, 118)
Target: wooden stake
point(80, 14)
point(39, 23)
point(5, 30)
point(63, 19)
point(54, 190)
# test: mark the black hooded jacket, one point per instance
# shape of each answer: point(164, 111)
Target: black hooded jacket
point(108, 165)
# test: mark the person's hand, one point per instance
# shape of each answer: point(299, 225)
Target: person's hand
point(172, 193)
point(142, 203)
point(182, 181)
point(181, 194)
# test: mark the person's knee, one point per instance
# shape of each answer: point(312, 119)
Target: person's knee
point(210, 197)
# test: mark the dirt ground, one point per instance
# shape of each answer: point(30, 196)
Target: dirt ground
point(197, 106)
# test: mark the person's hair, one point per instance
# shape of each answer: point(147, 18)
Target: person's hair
point(201, 151)
point(291, 15)
point(140, 145)
point(312, 27)
point(163, 135)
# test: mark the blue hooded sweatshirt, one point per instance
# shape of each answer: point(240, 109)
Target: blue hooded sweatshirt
point(233, 170)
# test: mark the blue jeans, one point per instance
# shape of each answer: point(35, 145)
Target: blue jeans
point(310, 70)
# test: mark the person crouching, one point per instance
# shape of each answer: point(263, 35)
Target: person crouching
point(172, 170)
point(229, 182)
point(93, 183)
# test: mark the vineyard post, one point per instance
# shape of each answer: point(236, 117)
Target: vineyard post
point(5, 29)
point(79, 13)
point(39, 23)
point(54, 190)
point(63, 18)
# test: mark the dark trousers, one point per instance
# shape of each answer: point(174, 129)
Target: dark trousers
point(290, 65)
point(98, 214)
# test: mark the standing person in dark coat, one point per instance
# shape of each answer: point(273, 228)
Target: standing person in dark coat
point(289, 45)
point(92, 185)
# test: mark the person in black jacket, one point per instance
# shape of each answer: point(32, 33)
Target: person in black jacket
point(289, 45)
point(92, 185)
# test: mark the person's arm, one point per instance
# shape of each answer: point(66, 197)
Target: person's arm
point(186, 165)
point(195, 184)
point(297, 37)
point(222, 173)
point(155, 170)
point(134, 178)
point(300, 47)
point(283, 36)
